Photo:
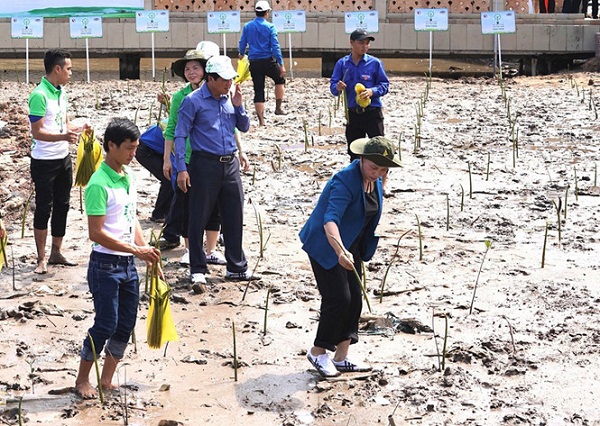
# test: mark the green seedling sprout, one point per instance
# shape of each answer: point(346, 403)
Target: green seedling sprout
point(235, 359)
point(262, 241)
point(566, 195)
point(400, 137)
point(559, 224)
point(363, 285)
point(31, 375)
point(470, 182)
point(25, 208)
point(512, 334)
point(266, 311)
point(442, 364)
point(387, 270)
point(279, 155)
point(329, 113)
point(544, 246)
point(96, 93)
point(488, 244)
point(20, 410)
point(305, 135)
point(462, 198)
point(447, 212)
point(253, 175)
point(445, 342)
point(95, 355)
point(420, 238)
point(576, 188)
point(249, 281)
point(487, 173)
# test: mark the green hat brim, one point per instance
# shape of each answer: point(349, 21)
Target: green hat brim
point(358, 147)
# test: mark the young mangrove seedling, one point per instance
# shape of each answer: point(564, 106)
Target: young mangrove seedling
point(387, 270)
point(544, 246)
point(488, 244)
point(566, 195)
point(447, 212)
point(559, 224)
point(420, 238)
point(97, 367)
point(235, 359)
point(266, 311)
point(470, 182)
point(576, 187)
point(305, 135)
point(462, 198)
point(487, 173)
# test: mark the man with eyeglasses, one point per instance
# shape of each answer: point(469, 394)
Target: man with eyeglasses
point(360, 67)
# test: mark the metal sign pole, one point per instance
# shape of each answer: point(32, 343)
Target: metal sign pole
point(224, 45)
point(291, 61)
point(153, 66)
point(87, 58)
point(27, 61)
point(430, 51)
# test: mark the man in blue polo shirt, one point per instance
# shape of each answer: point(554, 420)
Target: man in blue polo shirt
point(264, 54)
point(209, 116)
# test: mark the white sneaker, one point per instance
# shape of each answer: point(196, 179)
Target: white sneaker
point(216, 258)
point(323, 364)
point(347, 366)
point(198, 278)
point(185, 259)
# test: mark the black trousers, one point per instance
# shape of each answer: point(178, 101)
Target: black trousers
point(259, 69)
point(153, 162)
point(368, 123)
point(53, 180)
point(341, 304)
point(216, 183)
point(549, 9)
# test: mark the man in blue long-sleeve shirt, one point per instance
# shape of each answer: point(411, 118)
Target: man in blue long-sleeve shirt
point(264, 54)
point(360, 67)
point(209, 116)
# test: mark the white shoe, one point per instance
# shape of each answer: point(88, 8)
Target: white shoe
point(348, 365)
point(216, 258)
point(198, 278)
point(185, 259)
point(323, 364)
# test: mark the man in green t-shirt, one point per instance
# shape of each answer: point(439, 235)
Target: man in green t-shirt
point(117, 238)
point(51, 166)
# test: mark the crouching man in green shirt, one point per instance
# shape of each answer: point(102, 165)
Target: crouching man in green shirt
point(110, 203)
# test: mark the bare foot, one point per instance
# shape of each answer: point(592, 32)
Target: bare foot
point(110, 387)
point(85, 390)
point(59, 259)
point(41, 267)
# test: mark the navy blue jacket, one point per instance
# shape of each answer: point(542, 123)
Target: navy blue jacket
point(342, 202)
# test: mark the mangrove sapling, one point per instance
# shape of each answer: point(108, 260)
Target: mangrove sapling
point(235, 359)
point(31, 375)
point(249, 281)
point(400, 137)
point(305, 135)
point(20, 410)
point(262, 241)
point(441, 358)
point(462, 198)
point(559, 224)
point(363, 285)
point(512, 334)
point(266, 311)
point(253, 175)
point(470, 182)
point(279, 155)
point(487, 173)
point(488, 244)
point(329, 112)
point(420, 238)
point(566, 194)
point(387, 270)
point(14, 276)
point(544, 246)
point(97, 367)
point(319, 119)
point(25, 208)
point(445, 342)
point(447, 212)
point(576, 188)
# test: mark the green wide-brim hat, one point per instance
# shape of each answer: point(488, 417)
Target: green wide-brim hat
point(379, 150)
point(191, 55)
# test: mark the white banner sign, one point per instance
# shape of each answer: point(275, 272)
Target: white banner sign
point(289, 21)
point(367, 20)
point(27, 27)
point(86, 26)
point(223, 22)
point(152, 21)
point(498, 22)
point(56, 8)
point(431, 19)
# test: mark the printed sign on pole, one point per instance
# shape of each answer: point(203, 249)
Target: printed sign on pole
point(367, 20)
point(431, 19)
point(223, 22)
point(498, 22)
point(289, 21)
point(85, 27)
point(152, 21)
point(26, 27)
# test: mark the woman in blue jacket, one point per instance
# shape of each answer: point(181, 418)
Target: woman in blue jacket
point(339, 234)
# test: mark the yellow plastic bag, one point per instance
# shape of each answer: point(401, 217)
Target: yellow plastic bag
point(160, 327)
point(89, 157)
point(243, 70)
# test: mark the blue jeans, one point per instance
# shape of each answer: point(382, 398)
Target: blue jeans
point(114, 284)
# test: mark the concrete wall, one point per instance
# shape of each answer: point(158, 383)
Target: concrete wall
point(536, 35)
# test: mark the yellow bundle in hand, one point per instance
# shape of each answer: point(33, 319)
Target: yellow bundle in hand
point(359, 88)
point(3, 244)
point(89, 157)
point(160, 327)
point(243, 70)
